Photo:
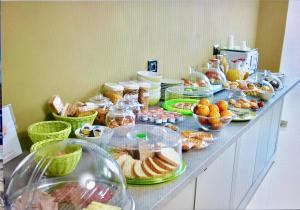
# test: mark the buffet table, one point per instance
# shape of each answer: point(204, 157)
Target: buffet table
point(223, 176)
point(226, 174)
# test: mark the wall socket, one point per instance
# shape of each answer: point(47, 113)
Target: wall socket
point(152, 65)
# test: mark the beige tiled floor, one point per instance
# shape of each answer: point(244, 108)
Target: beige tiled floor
point(281, 187)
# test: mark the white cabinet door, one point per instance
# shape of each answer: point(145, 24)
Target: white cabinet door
point(276, 118)
point(214, 184)
point(244, 164)
point(263, 143)
point(184, 199)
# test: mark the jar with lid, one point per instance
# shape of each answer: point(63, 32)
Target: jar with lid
point(103, 106)
point(214, 73)
point(113, 91)
point(131, 88)
point(119, 115)
point(144, 93)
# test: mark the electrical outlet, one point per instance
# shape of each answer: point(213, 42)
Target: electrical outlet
point(152, 65)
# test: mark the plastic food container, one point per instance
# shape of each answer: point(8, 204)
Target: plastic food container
point(131, 89)
point(113, 91)
point(147, 154)
point(120, 115)
point(149, 75)
point(188, 92)
point(96, 179)
point(144, 95)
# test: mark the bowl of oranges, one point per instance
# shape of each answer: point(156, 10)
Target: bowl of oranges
point(212, 117)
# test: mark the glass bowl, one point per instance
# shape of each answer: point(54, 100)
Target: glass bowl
point(212, 123)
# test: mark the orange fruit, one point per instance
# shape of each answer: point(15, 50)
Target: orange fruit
point(226, 113)
point(216, 126)
point(214, 117)
point(213, 108)
point(203, 120)
point(223, 105)
point(204, 101)
point(202, 110)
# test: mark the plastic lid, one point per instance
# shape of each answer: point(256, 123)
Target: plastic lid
point(113, 86)
point(131, 86)
point(145, 85)
point(71, 174)
point(190, 91)
point(129, 137)
point(121, 109)
point(101, 101)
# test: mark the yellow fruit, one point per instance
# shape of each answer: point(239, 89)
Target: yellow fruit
point(202, 110)
point(234, 74)
point(223, 105)
point(213, 108)
point(204, 101)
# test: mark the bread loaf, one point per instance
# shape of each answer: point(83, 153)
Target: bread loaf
point(138, 170)
point(147, 170)
point(55, 104)
point(154, 167)
point(163, 164)
point(170, 156)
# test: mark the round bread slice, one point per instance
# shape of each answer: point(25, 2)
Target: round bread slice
point(163, 164)
point(121, 159)
point(127, 168)
point(138, 170)
point(147, 170)
point(169, 155)
point(154, 167)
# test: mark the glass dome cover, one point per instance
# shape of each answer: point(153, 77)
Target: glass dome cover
point(69, 174)
point(214, 73)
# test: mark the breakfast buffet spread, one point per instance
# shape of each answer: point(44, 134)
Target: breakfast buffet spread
point(85, 158)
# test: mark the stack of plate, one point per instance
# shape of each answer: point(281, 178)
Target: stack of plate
point(165, 83)
point(155, 80)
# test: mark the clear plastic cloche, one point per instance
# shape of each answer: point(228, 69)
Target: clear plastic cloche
point(120, 115)
point(147, 154)
point(70, 174)
point(188, 92)
point(213, 73)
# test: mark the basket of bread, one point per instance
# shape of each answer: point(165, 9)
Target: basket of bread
point(147, 154)
point(76, 114)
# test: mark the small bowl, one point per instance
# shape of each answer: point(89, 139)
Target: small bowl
point(105, 136)
point(266, 95)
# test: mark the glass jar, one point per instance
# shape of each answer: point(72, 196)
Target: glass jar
point(120, 115)
point(103, 107)
point(113, 91)
point(214, 73)
point(144, 92)
point(131, 89)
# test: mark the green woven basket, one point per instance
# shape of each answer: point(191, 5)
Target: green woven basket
point(49, 130)
point(60, 165)
point(77, 122)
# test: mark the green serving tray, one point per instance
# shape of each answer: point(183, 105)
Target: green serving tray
point(169, 105)
point(158, 180)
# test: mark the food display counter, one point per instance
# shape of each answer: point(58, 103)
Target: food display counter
point(222, 176)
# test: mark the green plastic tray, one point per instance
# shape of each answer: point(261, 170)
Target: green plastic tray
point(168, 105)
point(165, 178)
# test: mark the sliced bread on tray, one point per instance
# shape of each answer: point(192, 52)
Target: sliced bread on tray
point(138, 170)
point(170, 156)
point(122, 158)
point(163, 164)
point(127, 168)
point(147, 170)
point(154, 167)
